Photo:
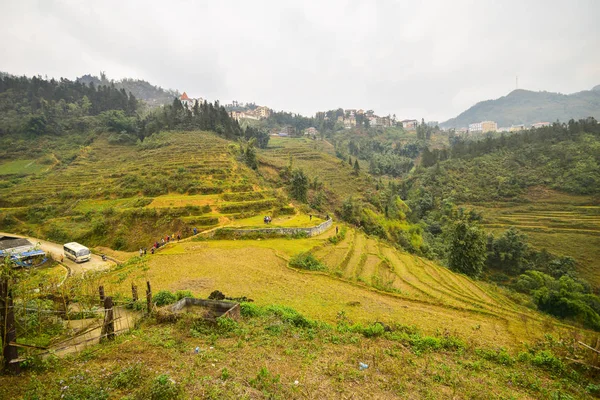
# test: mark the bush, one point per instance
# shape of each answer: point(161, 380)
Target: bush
point(251, 310)
point(164, 297)
point(180, 294)
point(306, 261)
point(164, 388)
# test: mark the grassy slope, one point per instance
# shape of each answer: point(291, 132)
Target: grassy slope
point(317, 159)
point(267, 357)
point(105, 179)
point(407, 289)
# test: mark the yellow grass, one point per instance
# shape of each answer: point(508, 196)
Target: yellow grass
point(258, 269)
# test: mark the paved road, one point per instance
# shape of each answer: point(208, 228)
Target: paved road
point(56, 250)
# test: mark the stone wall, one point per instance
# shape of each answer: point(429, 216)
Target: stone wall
point(313, 231)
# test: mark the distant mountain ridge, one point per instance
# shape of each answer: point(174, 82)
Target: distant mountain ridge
point(143, 90)
point(528, 107)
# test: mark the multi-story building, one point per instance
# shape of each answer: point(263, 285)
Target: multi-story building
point(489, 126)
point(518, 127)
point(475, 127)
point(483, 127)
point(409, 124)
point(540, 124)
point(263, 112)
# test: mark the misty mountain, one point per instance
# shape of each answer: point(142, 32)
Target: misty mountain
point(527, 107)
point(152, 95)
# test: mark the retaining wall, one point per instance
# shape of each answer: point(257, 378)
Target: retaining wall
point(313, 231)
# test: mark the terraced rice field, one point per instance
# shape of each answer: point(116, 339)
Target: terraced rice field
point(563, 224)
point(317, 159)
point(367, 280)
point(364, 261)
point(194, 176)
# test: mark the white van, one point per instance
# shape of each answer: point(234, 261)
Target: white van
point(77, 252)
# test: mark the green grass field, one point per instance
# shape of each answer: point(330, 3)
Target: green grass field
point(22, 167)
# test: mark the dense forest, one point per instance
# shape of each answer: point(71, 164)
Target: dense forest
point(142, 90)
point(562, 156)
point(35, 106)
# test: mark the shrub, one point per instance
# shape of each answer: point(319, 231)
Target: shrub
point(251, 310)
point(129, 377)
point(287, 314)
point(164, 388)
point(164, 297)
point(180, 294)
point(306, 261)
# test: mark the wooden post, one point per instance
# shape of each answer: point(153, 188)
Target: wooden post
point(108, 327)
point(148, 297)
point(101, 292)
point(134, 292)
point(8, 329)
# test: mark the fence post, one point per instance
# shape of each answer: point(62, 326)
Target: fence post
point(8, 329)
point(108, 327)
point(101, 292)
point(148, 297)
point(134, 292)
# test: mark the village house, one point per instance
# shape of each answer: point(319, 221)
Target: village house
point(312, 131)
point(540, 124)
point(188, 102)
point(409, 124)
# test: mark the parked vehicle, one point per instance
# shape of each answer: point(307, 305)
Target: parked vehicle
point(77, 252)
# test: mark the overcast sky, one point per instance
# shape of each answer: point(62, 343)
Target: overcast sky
point(430, 59)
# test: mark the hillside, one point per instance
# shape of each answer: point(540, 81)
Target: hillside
point(152, 95)
point(527, 107)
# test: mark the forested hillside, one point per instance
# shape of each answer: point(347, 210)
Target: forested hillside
point(565, 157)
point(150, 94)
point(527, 107)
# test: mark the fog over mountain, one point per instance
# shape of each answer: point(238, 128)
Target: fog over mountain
point(527, 107)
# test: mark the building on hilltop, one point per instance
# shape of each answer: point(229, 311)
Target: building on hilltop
point(540, 124)
point(409, 124)
point(256, 114)
point(188, 102)
point(312, 131)
point(483, 127)
point(518, 127)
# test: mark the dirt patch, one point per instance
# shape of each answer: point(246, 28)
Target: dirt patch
point(194, 285)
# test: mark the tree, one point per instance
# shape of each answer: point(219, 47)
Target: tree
point(356, 167)
point(350, 160)
point(36, 125)
point(467, 248)
point(299, 185)
point(509, 252)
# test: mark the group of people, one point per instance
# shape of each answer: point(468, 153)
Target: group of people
point(161, 243)
point(267, 219)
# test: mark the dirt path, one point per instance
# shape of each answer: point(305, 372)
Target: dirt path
point(56, 250)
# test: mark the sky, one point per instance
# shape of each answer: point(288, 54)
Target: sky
point(415, 59)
